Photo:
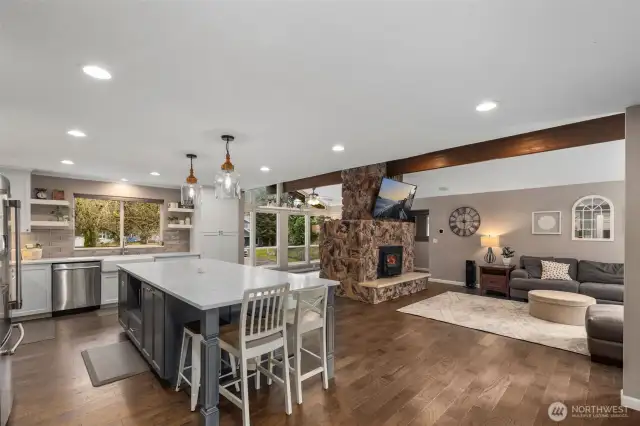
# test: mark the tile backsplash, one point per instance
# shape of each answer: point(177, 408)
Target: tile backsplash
point(59, 243)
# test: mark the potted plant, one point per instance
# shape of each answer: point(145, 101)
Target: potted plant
point(507, 254)
point(59, 215)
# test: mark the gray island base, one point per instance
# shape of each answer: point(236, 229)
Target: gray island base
point(155, 300)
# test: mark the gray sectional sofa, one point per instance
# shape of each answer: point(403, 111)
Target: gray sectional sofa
point(602, 281)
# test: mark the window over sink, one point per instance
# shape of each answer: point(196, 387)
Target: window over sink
point(103, 222)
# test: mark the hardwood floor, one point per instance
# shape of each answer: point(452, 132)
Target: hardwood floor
point(392, 369)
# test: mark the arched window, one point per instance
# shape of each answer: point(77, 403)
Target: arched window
point(593, 219)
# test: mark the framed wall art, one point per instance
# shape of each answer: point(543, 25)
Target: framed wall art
point(546, 223)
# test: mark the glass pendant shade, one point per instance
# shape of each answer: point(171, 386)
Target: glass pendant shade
point(190, 195)
point(190, 190)
point(227, 184)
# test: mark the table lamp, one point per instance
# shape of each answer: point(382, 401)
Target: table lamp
point(490, 241)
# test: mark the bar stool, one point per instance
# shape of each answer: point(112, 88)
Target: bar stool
point(309, 314)
point(190, 335)
point(262, 330)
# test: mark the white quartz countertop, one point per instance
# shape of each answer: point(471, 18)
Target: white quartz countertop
point(116, 257)
point(207, 283)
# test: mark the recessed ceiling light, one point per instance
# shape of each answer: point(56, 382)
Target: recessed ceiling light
point(264, 169)
point(338, 148)
point(67, 162)
point(486, 106)
point(76, 133)
point(124, 180)
point(154, 174)
point(96, 72)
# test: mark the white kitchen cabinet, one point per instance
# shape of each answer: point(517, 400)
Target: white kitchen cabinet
point(36, 290)
point(109, 288)
point(215, 215)
point(215, 234)
point(20, 181)
point(220, 246)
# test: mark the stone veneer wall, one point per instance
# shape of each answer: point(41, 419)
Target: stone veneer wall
point(349, 249)
point(360, 186)
point(377, 295)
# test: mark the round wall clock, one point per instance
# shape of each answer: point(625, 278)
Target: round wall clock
point(464, 221)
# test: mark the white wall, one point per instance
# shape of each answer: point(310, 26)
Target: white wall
point(602, 162)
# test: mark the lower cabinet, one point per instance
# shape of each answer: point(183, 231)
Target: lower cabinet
point(109, 283)
point(123, 314)
point(153, 327)
point(36, 290)
point(141, 311)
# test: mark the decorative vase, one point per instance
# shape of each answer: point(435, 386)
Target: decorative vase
point(506, 261)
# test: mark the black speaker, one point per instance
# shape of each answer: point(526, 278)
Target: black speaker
point(470, 273)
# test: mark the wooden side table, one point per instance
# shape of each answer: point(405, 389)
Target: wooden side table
point(495, 278)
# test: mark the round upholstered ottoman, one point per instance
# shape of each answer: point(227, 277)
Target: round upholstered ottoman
point(559, 306)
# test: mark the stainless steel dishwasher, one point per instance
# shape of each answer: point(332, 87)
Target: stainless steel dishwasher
point(75, 285)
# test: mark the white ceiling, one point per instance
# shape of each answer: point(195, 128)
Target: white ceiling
point(593, 163)
point(388, 79)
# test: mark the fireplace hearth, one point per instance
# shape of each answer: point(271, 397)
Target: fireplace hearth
point(389, 261)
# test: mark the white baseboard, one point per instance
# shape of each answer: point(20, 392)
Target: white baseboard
point(629, 402)
point(438, 280)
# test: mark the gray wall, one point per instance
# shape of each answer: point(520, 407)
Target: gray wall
point(60, 242)
point(421, 252)
point(508, 214)
point(631, 373)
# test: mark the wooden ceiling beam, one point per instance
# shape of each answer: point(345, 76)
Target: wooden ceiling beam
point(318, 181)
point(598, 130)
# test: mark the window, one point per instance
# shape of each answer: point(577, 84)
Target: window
point(297, 238)
point(421, 219)
point(266, 239)
point(593, 219)
point(247, 239)
point(103, 222)
point(263, 196)
point(141, 223)
point(314, 235)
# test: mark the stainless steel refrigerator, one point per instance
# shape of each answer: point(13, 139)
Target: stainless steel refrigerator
point(10, 292)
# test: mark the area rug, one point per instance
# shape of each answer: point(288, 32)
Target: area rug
point(498, 316)
point(108, 364)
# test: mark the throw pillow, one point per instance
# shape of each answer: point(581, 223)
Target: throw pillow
point(555, 271)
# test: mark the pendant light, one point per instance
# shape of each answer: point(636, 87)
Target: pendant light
point(190, 190)
point(227, 184)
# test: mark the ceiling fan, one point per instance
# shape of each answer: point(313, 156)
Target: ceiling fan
point(315, 200)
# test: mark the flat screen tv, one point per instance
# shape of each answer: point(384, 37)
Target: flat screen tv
point(394, 200)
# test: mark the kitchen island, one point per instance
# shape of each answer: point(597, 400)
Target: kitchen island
point(155, 300)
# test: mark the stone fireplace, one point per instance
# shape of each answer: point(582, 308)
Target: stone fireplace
point(372, 259)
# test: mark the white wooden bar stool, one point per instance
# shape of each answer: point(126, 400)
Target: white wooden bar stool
point(309, 314)
point(261, 331)
point(190, 335)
